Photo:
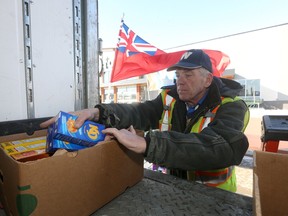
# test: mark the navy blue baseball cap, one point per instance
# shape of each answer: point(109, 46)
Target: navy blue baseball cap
point(192, 59)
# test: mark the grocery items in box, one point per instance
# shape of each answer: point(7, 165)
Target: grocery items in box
point(54, 144)
point(89, 134)
point(25, 148)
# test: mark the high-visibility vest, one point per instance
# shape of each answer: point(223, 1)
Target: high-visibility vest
point(222, 178)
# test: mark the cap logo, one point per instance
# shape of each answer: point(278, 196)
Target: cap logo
point(186, 55)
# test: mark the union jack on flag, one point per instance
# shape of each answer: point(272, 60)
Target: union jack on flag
point(130, 43)
point(136, 57)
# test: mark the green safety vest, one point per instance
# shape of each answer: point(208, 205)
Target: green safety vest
point(221, 178)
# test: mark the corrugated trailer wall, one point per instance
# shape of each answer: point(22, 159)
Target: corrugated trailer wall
point(44, 63)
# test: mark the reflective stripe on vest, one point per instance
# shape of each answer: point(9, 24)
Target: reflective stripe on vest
point(165, 121)
point(168, 106)
point(214, 177)
point(204, 121)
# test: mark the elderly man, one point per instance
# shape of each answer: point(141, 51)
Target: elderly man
point(194, 128)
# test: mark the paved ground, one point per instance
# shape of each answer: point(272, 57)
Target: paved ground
point(244, 174)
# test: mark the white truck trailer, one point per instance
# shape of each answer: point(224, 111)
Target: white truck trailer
point(49, 57)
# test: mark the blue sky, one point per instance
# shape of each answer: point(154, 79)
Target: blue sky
point(169, 23)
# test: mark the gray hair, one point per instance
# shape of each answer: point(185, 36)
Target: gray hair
point(204, 72)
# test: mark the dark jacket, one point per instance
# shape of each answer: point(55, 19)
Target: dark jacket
point(219, 145)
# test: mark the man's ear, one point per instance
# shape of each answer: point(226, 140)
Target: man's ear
point(209, 80)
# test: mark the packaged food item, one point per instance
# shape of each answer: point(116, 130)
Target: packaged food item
point(25, 148)
point(54, 144)
point(30, 155)
point(89, 134)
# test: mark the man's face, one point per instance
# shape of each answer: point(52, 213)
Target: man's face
point(192, 84)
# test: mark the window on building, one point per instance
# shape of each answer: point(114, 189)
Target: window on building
point(108, 96)
point(143, 93)
point(126, 94)
point(251, 90)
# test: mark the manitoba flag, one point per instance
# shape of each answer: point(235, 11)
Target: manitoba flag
point(136, 57)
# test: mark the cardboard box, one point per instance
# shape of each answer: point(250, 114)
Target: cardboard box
point(72, 183)
point(270, 179)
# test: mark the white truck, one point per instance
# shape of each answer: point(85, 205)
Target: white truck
point(49, 57)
